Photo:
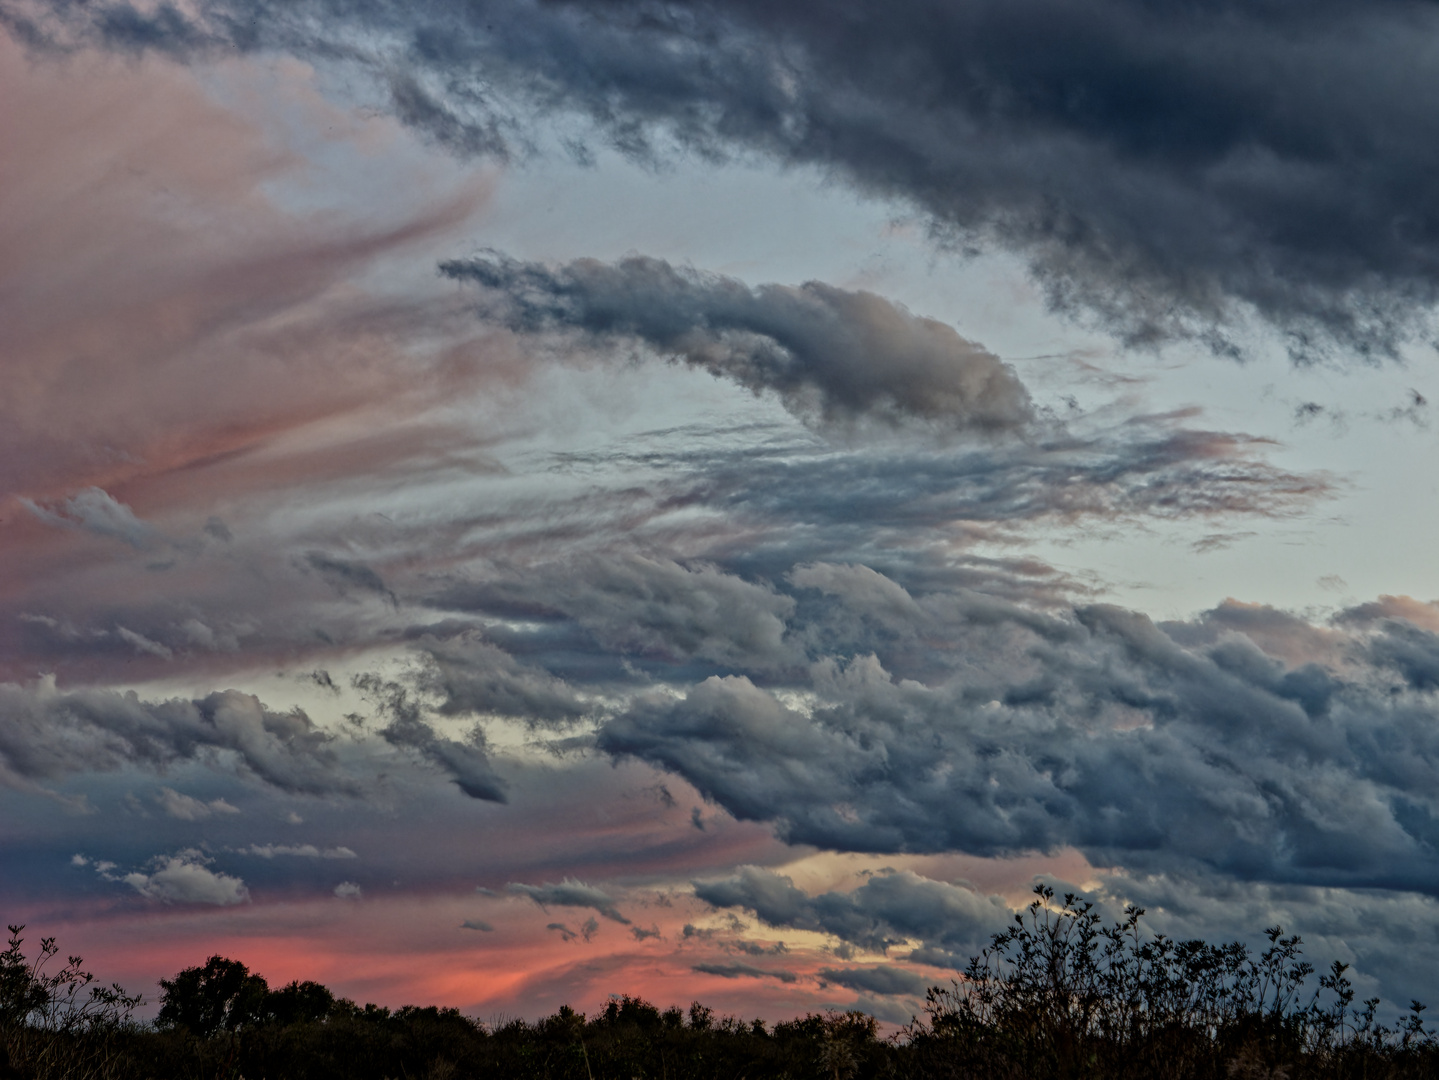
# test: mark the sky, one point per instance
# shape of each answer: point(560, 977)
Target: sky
point(507, 503)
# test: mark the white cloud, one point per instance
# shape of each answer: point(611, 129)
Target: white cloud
point(185, 878)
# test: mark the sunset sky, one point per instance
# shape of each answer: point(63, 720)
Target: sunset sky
point(504, 502)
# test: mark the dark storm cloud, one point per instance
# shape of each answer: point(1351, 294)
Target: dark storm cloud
point(831, 353)
point(1167, 168)
point(46, 734)
point(1099, 730)
point(885, 911)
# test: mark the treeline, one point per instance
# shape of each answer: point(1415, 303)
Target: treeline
point(1058, 995)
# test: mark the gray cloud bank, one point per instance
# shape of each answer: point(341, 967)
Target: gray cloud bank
point(1247, 742)
point(46, 734)
point(838, 354)
point(1169, 169)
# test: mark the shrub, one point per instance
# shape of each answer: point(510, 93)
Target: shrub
point(59, 1022)
point(1061, 994)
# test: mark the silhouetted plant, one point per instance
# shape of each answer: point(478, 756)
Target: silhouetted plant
point(57, 1020)
point(1059, 993)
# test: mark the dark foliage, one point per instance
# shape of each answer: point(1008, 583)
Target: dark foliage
point(1060, 995)
point(60, 1022)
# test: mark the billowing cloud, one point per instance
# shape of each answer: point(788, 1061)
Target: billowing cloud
point(834, 354)
point(1142, 744)
point(186, 878)
point(47, 733)
point(473, 676)
point(1168, 172)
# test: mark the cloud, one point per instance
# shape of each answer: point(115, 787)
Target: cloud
point(887, 910)
point(348, 890)
point(188, 808)
point(588, 929)
point(879, 979)
point(186, 878)
point(160, 347)
point(96, 511)
point(474, 676)
point(657, 607)
point(143, 644)
point(668, 552)
point(477, 924)
point(1168, 174)
point(767, 507)
point(467, 763)
point(758, 514)
point(304, 851)
point(345, 573)
point(1246, 741)
point(47, 733)
point(833, 354)
point(570, 893)
point(744, 971)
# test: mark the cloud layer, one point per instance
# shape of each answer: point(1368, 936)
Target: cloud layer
point(1168, 171)
point(1247, 742)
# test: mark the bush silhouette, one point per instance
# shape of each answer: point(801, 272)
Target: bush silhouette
point(1061, 994)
